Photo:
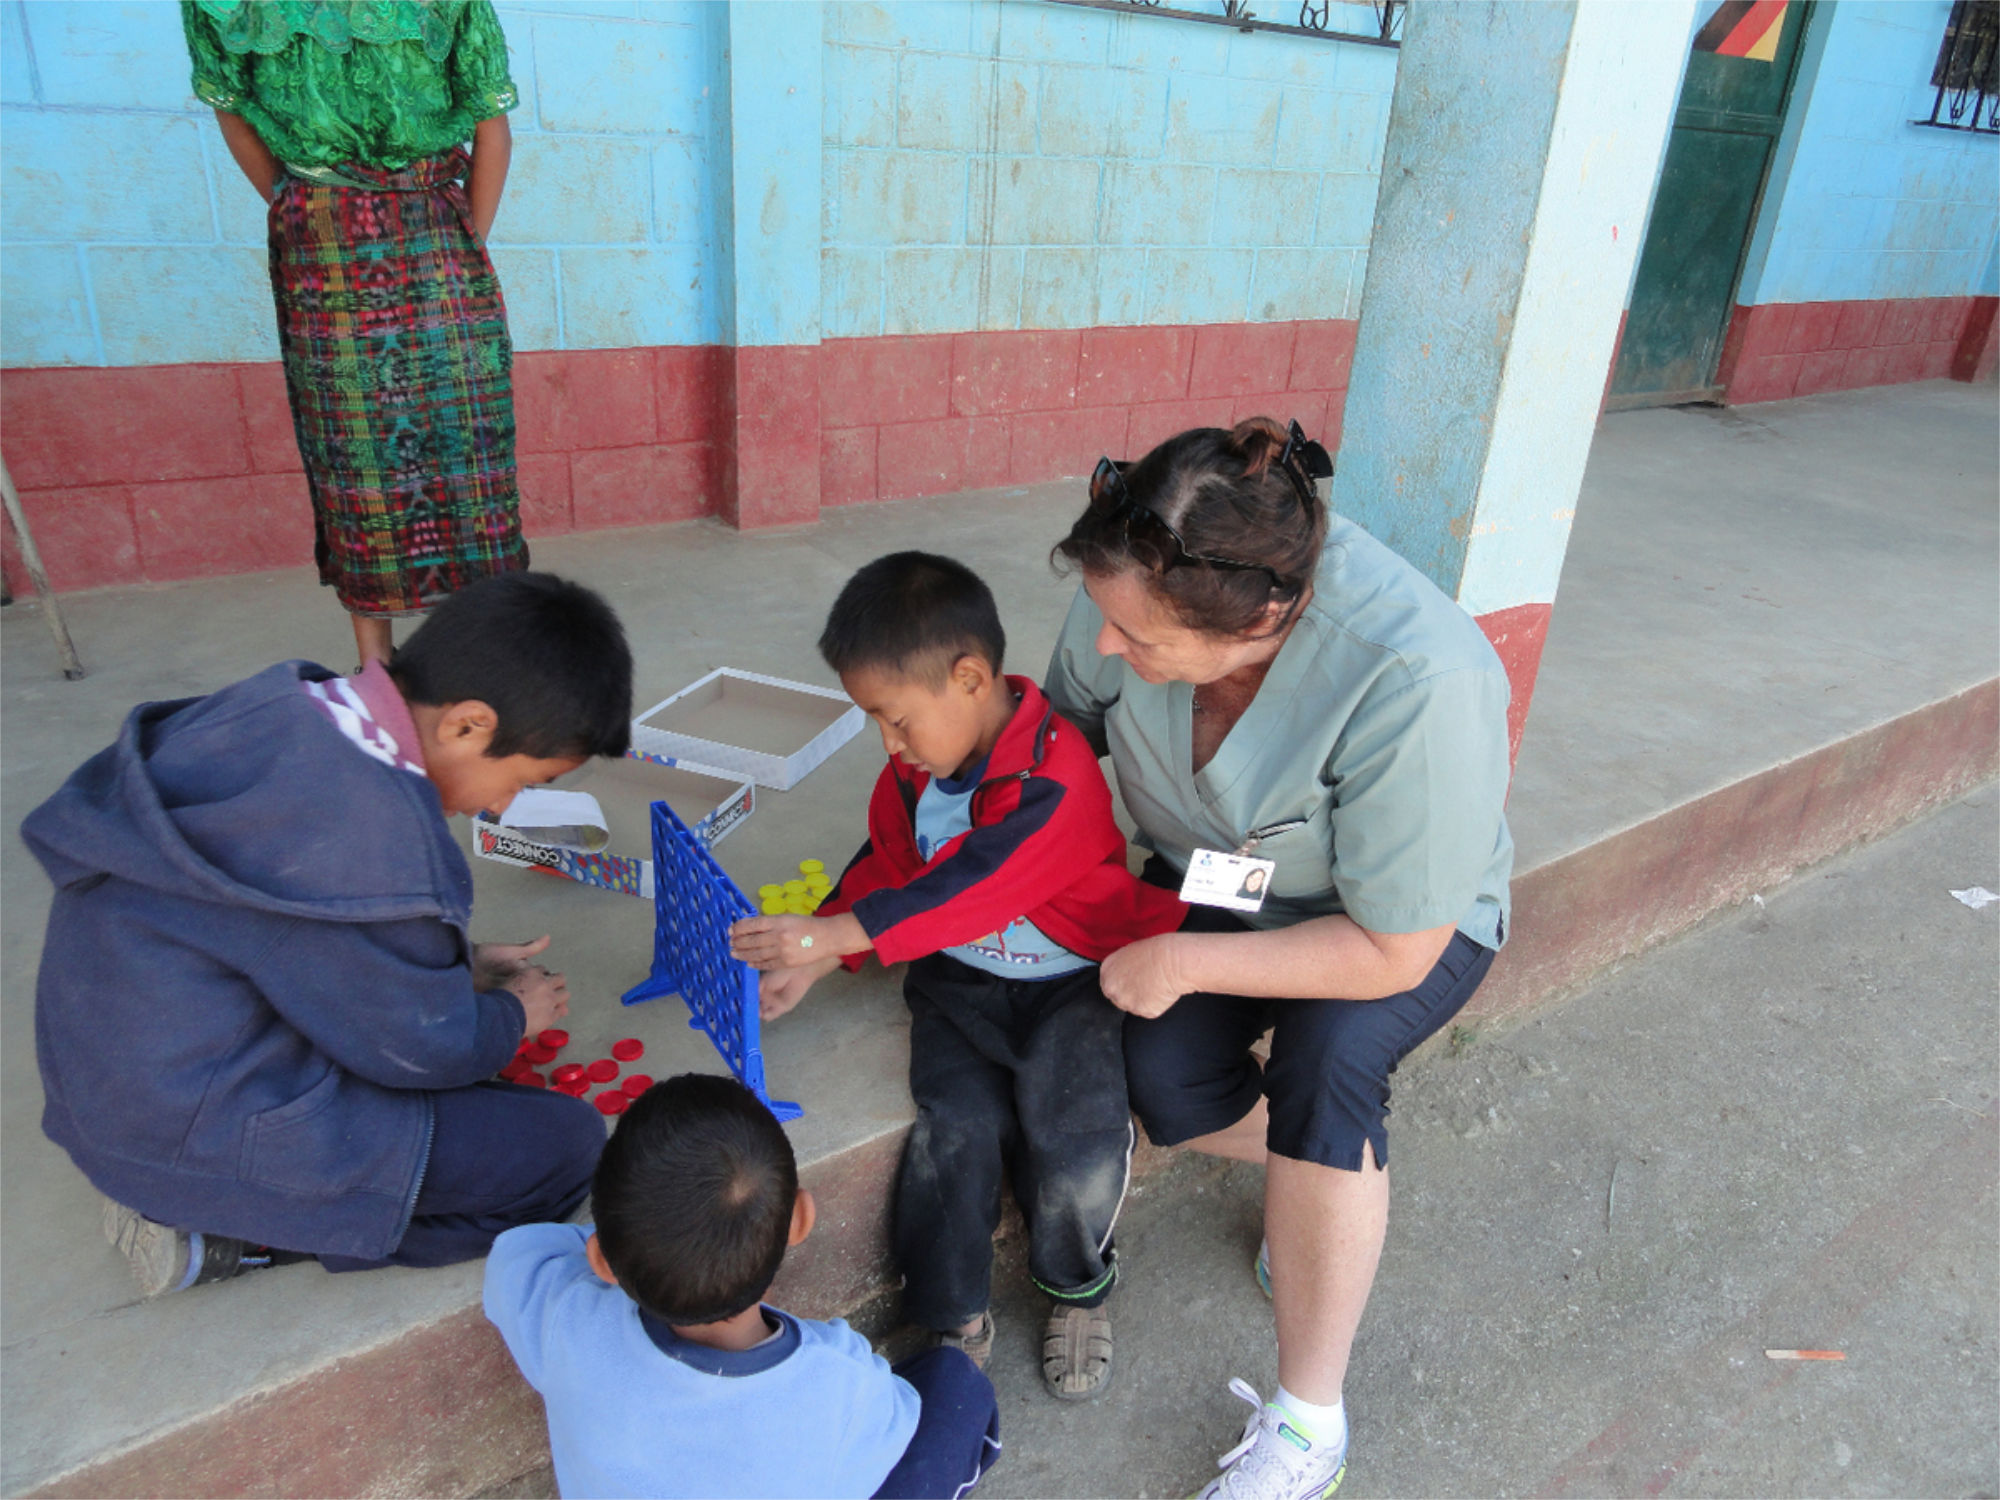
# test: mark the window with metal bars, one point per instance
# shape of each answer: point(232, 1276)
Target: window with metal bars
point(1967, 73)
point(1383, 19)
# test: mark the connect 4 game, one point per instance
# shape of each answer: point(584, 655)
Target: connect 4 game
point(693, 903)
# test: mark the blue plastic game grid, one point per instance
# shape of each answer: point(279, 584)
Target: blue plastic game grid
point(693, 904)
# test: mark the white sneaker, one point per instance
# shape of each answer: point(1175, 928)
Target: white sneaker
point(1275, 1461)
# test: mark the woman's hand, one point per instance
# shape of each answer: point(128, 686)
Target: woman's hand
point(252, 155)
point(492, 150)
point(795, 942)
point(1146, 978)
point(493, 964)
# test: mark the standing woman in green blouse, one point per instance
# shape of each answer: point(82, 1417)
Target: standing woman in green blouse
point(350, 118)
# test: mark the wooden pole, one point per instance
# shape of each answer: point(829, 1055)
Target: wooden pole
point(72, 665)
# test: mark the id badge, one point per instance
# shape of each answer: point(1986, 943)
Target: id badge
point(1235, 881)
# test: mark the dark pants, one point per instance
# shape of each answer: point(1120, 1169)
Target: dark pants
point(1192, 1073)
point(501, 1156)
point(958, 1430)
point(1017, 1075)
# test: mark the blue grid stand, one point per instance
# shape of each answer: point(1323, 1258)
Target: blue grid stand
point(693, 904)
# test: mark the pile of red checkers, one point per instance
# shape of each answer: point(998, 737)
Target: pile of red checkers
point(576, 1079)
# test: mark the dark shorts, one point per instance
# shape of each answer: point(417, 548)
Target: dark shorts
point(1191, 1074)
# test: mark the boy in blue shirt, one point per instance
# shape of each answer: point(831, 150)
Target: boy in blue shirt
point(662, 1371)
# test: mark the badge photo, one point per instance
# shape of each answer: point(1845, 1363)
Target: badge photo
point(1234, 881)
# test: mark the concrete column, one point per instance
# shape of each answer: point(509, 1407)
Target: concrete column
point(1524, 142)
point(771, 313)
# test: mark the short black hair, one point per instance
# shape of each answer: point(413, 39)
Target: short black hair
point(693, 1199)
point(546, 655)
point(913, 614)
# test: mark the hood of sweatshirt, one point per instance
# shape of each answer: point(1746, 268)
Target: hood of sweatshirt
point(253, 797)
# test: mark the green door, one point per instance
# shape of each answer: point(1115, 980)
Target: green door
point(1732, 106)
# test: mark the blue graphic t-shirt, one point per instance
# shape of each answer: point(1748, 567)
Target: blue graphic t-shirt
point(1020, 950)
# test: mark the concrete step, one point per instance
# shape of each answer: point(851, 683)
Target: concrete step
point(1774, 640)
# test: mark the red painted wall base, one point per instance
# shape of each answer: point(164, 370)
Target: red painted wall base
point(1518, 635)
point(1978, 350)
point(165, 472)
point(169, 472)
point(1777, 350)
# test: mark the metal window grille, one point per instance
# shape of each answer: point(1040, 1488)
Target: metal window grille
point(1967, 73)
point(1327, 18)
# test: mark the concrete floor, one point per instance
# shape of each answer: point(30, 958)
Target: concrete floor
point(1739, 590)
point(1744, 584)
point(1797, 1103)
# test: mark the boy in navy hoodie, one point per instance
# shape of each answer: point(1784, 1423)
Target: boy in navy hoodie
point(264, 1031)
point(993, 863)
point(664, 1372)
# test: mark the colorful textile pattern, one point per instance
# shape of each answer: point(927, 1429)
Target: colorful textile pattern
point(400, 373)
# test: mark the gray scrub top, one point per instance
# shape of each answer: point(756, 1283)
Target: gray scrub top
point(1380, 732)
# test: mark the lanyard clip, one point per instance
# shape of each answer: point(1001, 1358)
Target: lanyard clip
point(1257, 836)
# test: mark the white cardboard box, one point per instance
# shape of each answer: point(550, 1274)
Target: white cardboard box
point(764, 728)
point(711, 802)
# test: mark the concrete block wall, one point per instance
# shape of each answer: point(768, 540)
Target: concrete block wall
point(1053, 233)
point(120, 207)
point(999, 165)
point(1872, 206)
point(995, 188)
point(1873, 257)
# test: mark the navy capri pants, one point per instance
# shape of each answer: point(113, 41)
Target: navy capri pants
point(1190, 1071)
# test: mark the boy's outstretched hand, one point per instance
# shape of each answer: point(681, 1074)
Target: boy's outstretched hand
point(796, 942)
point(778, 990)
point(544, 996)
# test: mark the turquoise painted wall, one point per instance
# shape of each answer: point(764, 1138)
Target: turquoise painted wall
point(1008, 164)
point(1862, 203)
point(984, 164)
point(121, 211)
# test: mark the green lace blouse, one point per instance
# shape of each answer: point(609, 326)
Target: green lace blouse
point(381, 82)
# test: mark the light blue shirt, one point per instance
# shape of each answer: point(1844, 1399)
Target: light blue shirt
point(635, 1411)
point(1020, 950)
point(1375, 752)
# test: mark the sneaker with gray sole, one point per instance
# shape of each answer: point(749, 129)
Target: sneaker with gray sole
point(164, 1259)
point(1275, 1461)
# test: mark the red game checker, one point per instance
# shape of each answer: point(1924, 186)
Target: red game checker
point(576, 1088)
point(629, 1050)
point(603, 1070)
point(555, 1039)
point(613, 1101)
point(538, 1054)
point(637, 1084)
point(567, 1073)
point(533, 1080)
point(514, 1069)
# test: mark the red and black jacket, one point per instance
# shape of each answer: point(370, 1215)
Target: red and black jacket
point(1043, 845)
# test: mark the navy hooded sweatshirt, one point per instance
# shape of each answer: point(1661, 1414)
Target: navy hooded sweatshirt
point(256, 969)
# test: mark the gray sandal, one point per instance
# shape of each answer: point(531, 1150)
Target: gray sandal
point(1076, 1352)
point(976, 1346)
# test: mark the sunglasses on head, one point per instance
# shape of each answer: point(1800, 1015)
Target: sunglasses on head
point(1302, 459)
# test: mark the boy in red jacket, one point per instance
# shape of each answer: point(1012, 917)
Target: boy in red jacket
point(994, 865)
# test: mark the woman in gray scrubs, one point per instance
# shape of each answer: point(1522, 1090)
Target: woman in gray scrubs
point(1273, 684)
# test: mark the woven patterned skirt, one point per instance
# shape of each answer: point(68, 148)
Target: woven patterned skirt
point(401, 378)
